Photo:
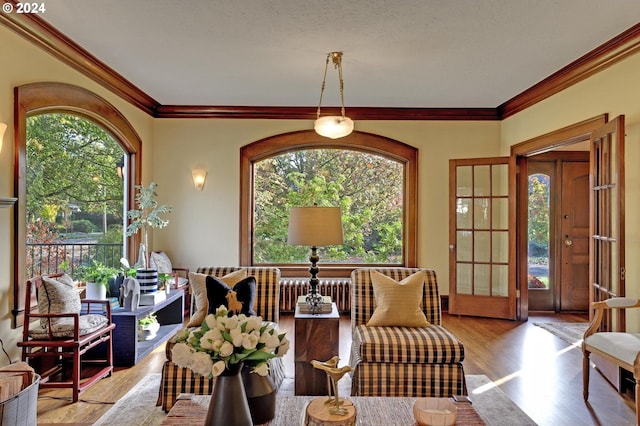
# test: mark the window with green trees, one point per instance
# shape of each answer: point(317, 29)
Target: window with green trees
point(538, 231)
point(366, 186)
point(73, 193)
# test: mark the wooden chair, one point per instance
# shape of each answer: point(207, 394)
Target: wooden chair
point(620, 348)
point(62, 340)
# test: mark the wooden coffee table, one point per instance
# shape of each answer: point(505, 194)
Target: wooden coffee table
point(371, 410)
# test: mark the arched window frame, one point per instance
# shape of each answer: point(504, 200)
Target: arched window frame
point(48, 97)
point(308, 139)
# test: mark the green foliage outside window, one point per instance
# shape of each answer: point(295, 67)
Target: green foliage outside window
point(71, 168)
point(539, 212)
point(367, 187)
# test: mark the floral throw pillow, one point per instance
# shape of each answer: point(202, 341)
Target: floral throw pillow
point(398, 303)
point(58, 296)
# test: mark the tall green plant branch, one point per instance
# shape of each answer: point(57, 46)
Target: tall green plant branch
point(147, 216)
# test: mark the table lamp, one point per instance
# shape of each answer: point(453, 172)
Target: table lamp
point(315, 226)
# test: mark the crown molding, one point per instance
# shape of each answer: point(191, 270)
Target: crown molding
point(48, 38)
point(603, 56)
point(310, 113)
point(45, 36)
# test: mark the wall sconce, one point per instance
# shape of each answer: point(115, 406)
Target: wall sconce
point(3, 128)
point(199, 175)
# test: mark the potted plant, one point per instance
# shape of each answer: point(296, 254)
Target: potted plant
point(148, 327)
point(146, 216)
point(97, 277)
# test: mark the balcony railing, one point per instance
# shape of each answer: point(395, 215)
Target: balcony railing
point(49, 258)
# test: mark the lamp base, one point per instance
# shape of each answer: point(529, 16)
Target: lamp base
point(315, 303)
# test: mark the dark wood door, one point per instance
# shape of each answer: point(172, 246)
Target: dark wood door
point(574, 235)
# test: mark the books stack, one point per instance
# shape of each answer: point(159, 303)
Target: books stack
point(150, 299)
point(96, 308)
point(324, 307)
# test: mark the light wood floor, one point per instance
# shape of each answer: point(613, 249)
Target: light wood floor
point(538, 371)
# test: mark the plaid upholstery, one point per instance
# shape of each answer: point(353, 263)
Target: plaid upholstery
point(431, 345)
point(267, 287)
point(434, 380)
point(363, 301)
point(176, 380)
point(402, 361)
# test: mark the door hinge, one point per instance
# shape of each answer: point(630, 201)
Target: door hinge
point(518, 294)
point(622, 274)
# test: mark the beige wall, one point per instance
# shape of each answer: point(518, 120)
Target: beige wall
point(204, 225)
point(22, 63)
point(614, 91)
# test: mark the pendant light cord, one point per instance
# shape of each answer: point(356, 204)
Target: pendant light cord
point(337, 63)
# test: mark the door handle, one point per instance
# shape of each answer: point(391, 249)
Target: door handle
point(452, 247)
point(567, 241)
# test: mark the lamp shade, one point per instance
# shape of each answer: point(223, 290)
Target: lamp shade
point(315, 226)
point(199, 176)
point(333, 126)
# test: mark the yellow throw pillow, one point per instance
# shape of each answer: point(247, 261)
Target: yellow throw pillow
point(199, 291)
point(398, 303)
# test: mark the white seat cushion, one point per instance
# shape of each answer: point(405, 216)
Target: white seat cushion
point(64, 327)
point(623, 346)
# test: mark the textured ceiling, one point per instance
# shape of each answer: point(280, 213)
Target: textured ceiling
point(397, 53)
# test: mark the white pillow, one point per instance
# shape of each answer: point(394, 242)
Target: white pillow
point(58, 296)
point(161, 262)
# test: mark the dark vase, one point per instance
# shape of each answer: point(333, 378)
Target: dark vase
point(114, 286)
point(229, 406)
point(261, 395)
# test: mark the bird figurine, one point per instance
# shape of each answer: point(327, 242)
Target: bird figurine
point(331, 363)
point(334, 374)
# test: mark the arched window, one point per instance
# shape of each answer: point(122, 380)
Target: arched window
point(357, 163)
point(47, 98)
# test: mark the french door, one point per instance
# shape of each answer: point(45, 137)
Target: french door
point(606, 249)
point(482, 237)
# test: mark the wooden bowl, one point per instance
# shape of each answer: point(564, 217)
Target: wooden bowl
point(435, 412)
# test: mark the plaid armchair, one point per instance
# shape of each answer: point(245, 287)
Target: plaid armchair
point(177, 380)
point(402, 361)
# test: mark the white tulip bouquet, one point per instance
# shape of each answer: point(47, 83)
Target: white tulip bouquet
point(223, 340)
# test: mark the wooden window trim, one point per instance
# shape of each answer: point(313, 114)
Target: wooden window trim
point(47, 97)
point(308, 139)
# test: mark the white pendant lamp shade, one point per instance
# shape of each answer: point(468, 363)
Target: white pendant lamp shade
point(333, 126)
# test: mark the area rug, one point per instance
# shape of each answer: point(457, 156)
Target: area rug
point(570, 332)
point(138, 406)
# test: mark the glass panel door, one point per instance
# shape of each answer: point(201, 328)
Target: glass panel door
point(479, 238)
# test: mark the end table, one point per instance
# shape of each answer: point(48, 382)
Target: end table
point(316, 337)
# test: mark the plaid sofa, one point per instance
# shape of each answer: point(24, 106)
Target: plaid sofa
point(402, 361)
point(177, 380)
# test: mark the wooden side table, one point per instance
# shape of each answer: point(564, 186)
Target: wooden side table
point(316, 337)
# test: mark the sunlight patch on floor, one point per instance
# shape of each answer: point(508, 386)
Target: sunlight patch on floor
point(502, 380)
